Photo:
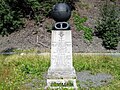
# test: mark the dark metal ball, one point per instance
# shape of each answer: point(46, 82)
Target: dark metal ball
point(61, 12)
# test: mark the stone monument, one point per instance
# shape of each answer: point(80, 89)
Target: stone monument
point(61, 70)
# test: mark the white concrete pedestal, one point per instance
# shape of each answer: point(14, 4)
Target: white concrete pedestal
point(61, 69)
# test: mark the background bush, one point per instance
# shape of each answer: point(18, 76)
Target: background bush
point(9, 19)
point(12, 12)
point(108, 27)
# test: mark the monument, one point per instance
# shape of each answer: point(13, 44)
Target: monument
point(61, 71)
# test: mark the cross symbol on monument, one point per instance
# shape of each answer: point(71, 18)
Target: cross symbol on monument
point(61, 34)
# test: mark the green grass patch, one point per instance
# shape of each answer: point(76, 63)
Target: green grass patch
point(67, 84)
point(27, 72)
point(79, 23)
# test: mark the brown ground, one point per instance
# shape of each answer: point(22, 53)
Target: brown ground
point(37, 37)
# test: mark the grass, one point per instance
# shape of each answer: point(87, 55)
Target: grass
point(96, 64)
point(20, 72)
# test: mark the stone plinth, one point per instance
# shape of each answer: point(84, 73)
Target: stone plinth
point(61, 69)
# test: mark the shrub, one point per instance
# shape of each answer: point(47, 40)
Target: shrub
point(12, 11)
point(79, 23)
point(108, 27)
point(9, 19)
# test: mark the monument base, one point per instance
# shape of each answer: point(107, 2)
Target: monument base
point(61, 73)
point(66, 78)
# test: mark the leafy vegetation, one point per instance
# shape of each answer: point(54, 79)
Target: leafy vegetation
point(9, 19)
point(108, 27)
point(28, 71)
point(12, 12)
point(79, 23)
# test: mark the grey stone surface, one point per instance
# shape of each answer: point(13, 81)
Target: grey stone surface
point(88, 80)
point(62, 74)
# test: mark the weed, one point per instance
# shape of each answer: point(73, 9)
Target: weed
point(79, 23)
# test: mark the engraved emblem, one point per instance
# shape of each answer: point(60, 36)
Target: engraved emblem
point(61, 34)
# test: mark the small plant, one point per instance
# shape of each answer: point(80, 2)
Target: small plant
point(79, 23)
point(69, 83)
point(108, 27)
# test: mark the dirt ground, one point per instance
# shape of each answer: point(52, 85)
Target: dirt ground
point(38, 37)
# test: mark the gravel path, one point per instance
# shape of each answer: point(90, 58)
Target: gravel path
point(88, 80)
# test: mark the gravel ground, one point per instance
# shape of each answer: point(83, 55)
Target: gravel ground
point(85, 78)
point(88, 80)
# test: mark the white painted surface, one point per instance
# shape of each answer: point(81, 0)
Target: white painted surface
point(61, 50)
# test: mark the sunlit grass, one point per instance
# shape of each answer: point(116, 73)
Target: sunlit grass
point(16, 71)
point(19, 70)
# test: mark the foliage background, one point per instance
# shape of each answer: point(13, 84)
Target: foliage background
point(22, 21)
point(12, 11)
point(108, 27)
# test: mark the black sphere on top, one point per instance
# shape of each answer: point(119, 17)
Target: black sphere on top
point(61, 12)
